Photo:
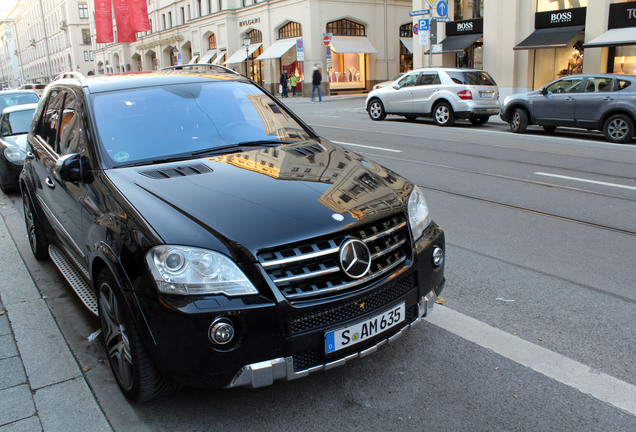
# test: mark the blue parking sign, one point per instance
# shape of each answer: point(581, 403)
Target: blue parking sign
point(423, 24)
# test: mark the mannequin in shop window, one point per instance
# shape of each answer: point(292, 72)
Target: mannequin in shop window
point(575, 64)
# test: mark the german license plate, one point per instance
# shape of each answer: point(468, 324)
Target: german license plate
point(487, 94)
point(363, 330)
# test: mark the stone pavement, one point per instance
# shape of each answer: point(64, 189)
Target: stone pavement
point(41, 385)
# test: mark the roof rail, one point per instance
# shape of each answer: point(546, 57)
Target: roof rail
point(76, 75)
point(201, 66)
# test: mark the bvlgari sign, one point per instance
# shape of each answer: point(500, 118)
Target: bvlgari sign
point(560, 18)
point(249, 22)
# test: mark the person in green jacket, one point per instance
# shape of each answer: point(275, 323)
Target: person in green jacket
point(293, 81)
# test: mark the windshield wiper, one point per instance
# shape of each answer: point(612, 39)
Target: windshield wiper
point(239, 146)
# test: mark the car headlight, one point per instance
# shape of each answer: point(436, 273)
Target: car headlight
point(419, 217)
point(193, 271)
point(14, 154)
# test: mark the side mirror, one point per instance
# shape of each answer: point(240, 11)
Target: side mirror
point(73, 168)
point(396, 86)
point(544, 91)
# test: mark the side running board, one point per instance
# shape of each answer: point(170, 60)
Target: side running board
point(70, 273)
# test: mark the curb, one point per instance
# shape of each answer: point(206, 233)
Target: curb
point(45, 389)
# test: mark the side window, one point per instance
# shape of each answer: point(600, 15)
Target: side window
point(408, 80)
point(568, 85)
point(70, 126)
point(623, 84)
point(49, 127)
point(429, 79)
point(595, 85)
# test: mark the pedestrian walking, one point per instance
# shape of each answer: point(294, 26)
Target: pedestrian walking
point(315, 81)
point(283, 84)
point(293, 81)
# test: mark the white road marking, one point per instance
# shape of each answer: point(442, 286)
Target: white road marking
point(555, 366)
point(365, 146)
point(586, 180)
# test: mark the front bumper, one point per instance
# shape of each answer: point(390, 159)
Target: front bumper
point(264, 373)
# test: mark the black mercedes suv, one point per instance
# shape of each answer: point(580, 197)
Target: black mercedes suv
point(219, 239)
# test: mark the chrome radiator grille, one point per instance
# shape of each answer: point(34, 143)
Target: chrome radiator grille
point(312, 269)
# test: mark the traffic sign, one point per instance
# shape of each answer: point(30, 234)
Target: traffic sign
point(423, 24)
point(442, 8)
point(300, 50)
point(415, 29)
point(326, 38)
point(420, 12)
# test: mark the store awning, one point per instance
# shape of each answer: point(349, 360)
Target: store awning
point(193, 59)
point(205, 58)
point(240, 55)
point(352, 44)
point(277, 49)
point(614, 37)
point(408, 43)
point(556, 37)
point(460, 42)
point(219, 59)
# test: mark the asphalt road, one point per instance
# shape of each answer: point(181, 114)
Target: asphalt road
point(537, 328)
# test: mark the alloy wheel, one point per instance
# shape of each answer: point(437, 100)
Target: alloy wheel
point(30, 225)
point(442, 114)
point(115, 336)
point(617, 129)
point(516, 118)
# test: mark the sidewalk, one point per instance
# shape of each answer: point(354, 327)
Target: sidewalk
point(41, 385)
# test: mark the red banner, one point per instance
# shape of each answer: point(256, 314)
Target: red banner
point(125, 31)
point(139, 15)
point(104, 21)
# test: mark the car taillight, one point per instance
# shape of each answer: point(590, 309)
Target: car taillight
point(465, 95)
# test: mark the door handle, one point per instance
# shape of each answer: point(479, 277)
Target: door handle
point(30, 155)
point(49, 183)
point(607, 98)
point(569, 99)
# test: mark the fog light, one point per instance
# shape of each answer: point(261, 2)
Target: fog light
point(438, 256)
point(221, 331)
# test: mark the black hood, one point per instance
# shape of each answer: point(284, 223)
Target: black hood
point(264, 197)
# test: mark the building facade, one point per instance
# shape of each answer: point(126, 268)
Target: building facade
point(523, 44)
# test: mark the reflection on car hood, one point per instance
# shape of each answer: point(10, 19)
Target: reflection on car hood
point(16, 140)
point(265, 197)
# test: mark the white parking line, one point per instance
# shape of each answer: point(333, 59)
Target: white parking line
point(365, 146)
point(555, 366)
point(586, 180)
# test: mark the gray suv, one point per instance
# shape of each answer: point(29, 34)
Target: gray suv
point(445, 94)
point(605, 102)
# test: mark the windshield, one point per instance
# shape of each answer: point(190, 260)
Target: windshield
point(17, 98)
point(17, 122)
point(160, 123)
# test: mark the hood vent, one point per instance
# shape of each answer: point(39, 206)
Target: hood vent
point(308, 150)
point(180, 171)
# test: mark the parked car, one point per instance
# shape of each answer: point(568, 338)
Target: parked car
point(15, 122)
point(17, 97)
point(605, 102)
point(219, 239)
point(389, 82)
point(38, 88)
point(445, 94)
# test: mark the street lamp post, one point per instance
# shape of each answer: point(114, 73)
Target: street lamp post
point(246, 44)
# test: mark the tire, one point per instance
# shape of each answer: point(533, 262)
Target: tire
point(135, 373)
point(35, 232)
point(549, 128)
point(519, 120)
point(479, 120)
point(376, 110)
point(619, 129)
point(443, 114)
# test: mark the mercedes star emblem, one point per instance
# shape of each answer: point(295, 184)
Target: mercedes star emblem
point(355, 258)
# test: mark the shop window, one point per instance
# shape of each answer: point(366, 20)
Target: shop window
point(550, 5)
point(344, 27)
point(406, 56)
point(290, 30)
point(625, 60)
point(212, 42)
point(468, 9)
point(406, 30)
